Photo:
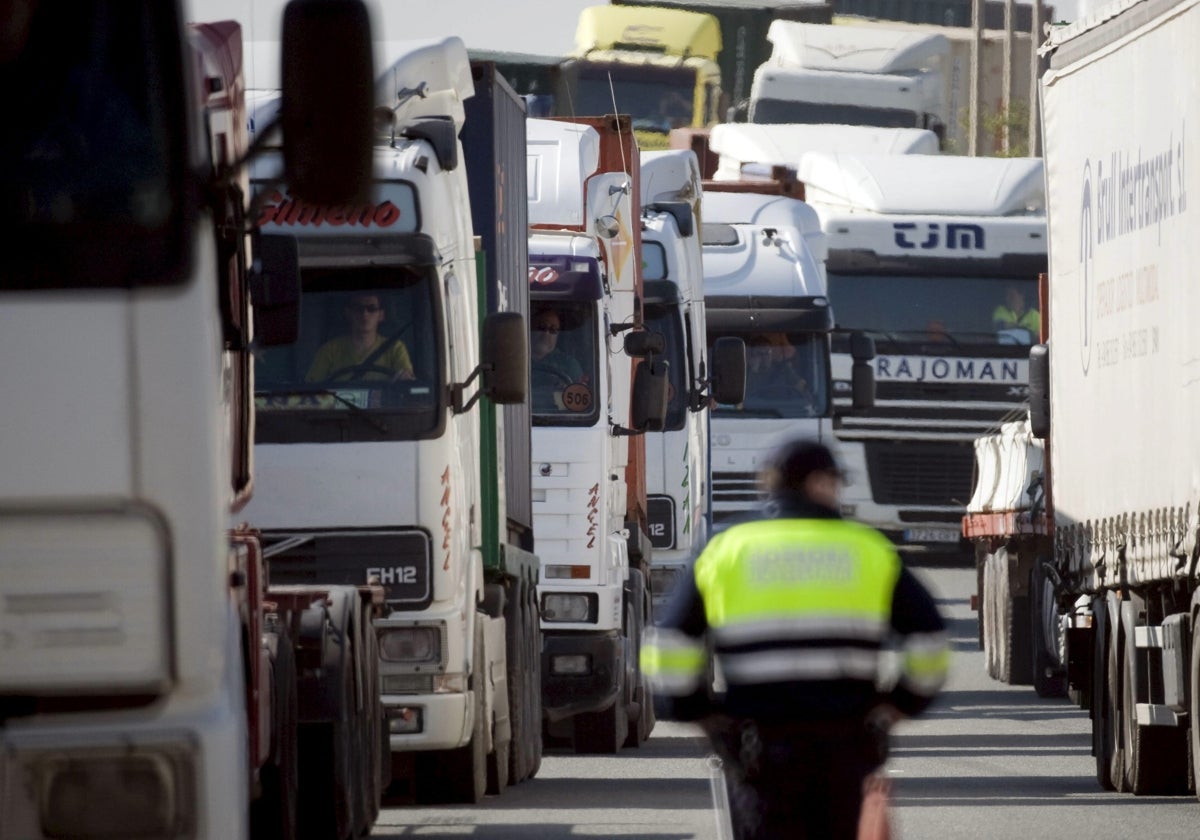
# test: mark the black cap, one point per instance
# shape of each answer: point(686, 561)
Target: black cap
point(793, 462)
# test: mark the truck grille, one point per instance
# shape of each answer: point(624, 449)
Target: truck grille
point(400, 560)
point(920, 472)
point(735, 494)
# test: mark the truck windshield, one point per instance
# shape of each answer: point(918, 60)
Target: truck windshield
point(665, 321)
point(787, 375)
point(817, 113)
point(93, 163)
point(563, 364)
point(365, 366)
point(657, 98)
point(948, 310)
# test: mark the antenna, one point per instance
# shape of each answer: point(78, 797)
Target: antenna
point(612, 92)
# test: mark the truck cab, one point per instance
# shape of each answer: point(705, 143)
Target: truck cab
point(371, 432)
point(596, 388)
point(853, 75)
point(678, 480)
point(659, 64)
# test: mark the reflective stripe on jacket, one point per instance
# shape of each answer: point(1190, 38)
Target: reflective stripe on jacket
point(797, 599)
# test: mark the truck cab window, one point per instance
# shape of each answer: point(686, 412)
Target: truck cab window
point(366, 360)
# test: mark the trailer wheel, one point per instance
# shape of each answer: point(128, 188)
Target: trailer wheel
point(1106, 698)
point(1194, 706)
point(1008, 625)
point(1155, 756)
point(1049, 673)
point(273, 814)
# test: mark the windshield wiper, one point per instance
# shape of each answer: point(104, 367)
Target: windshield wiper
point(355, 410)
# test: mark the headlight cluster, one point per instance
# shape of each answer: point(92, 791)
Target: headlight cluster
point(569, 606)
point(421, 645)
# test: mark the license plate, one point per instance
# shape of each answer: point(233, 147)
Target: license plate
point(928, 535)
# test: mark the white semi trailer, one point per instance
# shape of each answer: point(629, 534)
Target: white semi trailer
point(1114, 569)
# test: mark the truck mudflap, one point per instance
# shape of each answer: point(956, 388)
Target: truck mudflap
point(581, 672)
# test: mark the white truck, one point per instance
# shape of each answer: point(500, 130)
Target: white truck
point(380, 452)
point(1115, 388)
point(154, 682)
point(924, 251)
point(764, 283)
point(853, 75)
point(753, 150)
point(678, 479)
point(596, 388)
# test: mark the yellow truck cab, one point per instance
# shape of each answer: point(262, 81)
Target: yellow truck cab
point(658, 64)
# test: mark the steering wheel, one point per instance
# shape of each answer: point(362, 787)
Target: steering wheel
point(358, 371)
point(555, 376)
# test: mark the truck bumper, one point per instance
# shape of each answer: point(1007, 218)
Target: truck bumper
point(180, 774)
point(420, 722)
point(580, 672)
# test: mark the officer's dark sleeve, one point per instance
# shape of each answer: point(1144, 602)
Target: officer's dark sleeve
point(925, 654)
point(674, 657)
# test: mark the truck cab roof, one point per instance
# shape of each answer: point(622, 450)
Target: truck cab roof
point(674, 32)
point(925, 184)
point(561, 157)
point(424, 78)
point(740, 145)
point(860, 49)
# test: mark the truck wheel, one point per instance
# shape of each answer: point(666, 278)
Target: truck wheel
point(1013, 662)
point(463, 772)
point(1106, 693)
point(533, 650)
point(273, 814)
point(1049, 675)
point(1155, 756)
point(1194, 705)
point(603, 732)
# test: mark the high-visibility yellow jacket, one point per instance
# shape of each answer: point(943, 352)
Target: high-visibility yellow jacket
point(1004, 318)
point(795, 611)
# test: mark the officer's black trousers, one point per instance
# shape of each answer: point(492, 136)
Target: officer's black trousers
point(795, 781)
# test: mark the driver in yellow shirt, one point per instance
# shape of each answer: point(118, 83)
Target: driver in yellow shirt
point(363, 353)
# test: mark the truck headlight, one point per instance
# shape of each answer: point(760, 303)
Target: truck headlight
point(413, 645)
point(143, 793)
point(569, 606)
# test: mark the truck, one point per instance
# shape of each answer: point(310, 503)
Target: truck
point(401, 459)
point(657, 64)
point(853, 75)
point(597, 386)
point(157, 680)
point(1113, 554)
point(678, 478)
point(744, 33)
point(924, 251)
point(764, 284)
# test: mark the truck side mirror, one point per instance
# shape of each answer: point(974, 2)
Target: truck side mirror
point(648, 412)
point(505, 357)
point(642, 343)
point(729, 370)
point(1039, 390)
point(275, 290)
point(862, 374)
point(327, 104)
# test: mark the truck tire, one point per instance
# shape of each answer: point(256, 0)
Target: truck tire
point(533, 651)
point(460, 776)
point(636, 614)
point(1156, 760)
point(524, 683)
point(273, 814)
point(1049, 673)
point(1009, 657)
point(602, 733)
point(1106, 698)
point(1194, 705)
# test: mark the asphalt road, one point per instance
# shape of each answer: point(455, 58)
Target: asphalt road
point(987, 761)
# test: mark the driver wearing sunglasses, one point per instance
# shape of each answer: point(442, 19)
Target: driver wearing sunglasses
point(363, 353)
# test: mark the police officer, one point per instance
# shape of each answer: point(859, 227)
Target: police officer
point(795, 608)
